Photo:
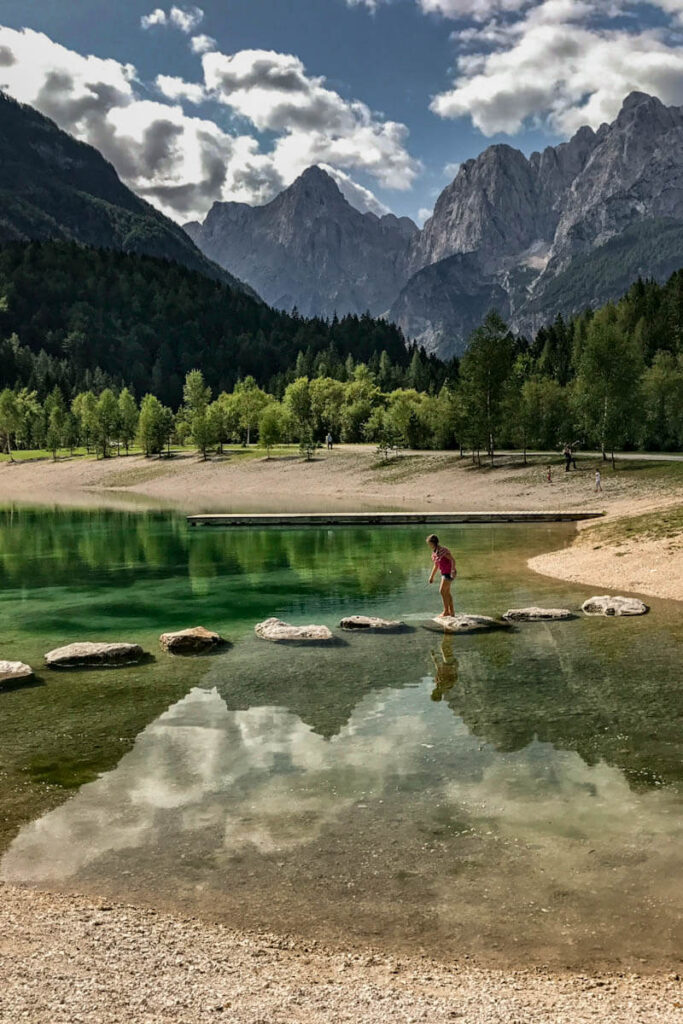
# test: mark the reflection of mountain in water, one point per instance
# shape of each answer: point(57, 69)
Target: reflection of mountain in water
point(259, 776)
point(320, 685)
point(402, 823)
point(579, 694)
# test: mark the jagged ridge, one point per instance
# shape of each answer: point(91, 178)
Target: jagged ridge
point(504, 233)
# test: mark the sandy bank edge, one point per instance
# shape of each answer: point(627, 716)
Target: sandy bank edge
point(652, 568)
point(70, 958)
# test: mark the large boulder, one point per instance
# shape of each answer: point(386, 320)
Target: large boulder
point(372, 623)
point(96, 655)
point(14, 671)
point(537, 614)
point(190, 641)
point(466, 623)
point(282, 632)
point(607, 605)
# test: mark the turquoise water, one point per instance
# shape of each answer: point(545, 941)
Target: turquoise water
point(513, 796)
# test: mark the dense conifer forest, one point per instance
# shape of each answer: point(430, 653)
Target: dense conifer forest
point(99, 347)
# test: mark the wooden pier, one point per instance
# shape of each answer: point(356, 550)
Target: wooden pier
point(299, 519)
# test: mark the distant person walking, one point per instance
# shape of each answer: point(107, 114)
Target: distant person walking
point(445, 564)
point(598, 481)
point(549, 475)
point(329, 440)
point(567, 452)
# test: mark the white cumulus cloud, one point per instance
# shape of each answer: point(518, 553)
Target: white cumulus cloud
point(187, 19)
point(555, 65)
point(183, 163)
point(202, 44)
point(274, 93)
point(364, 199)
point(155, 17)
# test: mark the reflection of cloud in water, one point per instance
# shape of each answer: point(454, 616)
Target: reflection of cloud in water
point(261, 774)
point(261, 778)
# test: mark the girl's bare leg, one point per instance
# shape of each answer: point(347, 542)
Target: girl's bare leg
point(445, 591)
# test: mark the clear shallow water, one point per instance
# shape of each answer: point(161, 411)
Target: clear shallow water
point(515, 796)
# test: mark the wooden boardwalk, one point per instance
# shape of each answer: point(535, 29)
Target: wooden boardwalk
point(297, 519)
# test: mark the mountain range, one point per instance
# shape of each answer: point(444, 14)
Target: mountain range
point(54, 187)
point(531, 237)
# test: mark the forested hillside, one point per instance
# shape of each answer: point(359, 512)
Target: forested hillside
point(54, 187)
point(85, 318)
point(98, 347)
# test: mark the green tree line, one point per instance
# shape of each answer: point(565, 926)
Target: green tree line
point(611, 378)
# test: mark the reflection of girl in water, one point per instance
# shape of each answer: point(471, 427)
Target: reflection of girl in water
point(445, 669)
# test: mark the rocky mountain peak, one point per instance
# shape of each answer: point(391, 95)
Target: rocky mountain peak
point(309, 247)
point(644, 112)
point(502, 232)
point(315, 185)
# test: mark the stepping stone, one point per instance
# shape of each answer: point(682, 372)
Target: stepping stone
point(194, 639)
point(282, 632)
point(372, 624)
point(94, 655)
point(607, 605)
point(11, 671)
point(467, 623)
point(537, 614)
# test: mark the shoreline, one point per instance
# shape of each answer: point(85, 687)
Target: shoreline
point(352, 479)
point(69, 957)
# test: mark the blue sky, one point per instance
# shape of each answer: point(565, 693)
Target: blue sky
point(389, 94)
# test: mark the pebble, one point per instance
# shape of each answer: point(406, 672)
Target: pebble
point(149, 967)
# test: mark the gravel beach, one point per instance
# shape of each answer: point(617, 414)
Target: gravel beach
point(68, 959)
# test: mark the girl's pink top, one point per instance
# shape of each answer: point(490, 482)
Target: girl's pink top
point(444, 561)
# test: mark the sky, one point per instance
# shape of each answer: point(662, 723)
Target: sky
point(233, 99)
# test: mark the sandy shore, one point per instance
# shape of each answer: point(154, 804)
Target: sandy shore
point(653, 568)
point(68, 959)
point(351, 478)
point(348, 477)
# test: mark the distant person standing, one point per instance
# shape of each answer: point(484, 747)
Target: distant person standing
point(567, 452)
point(445, 564)
point(598, 481)
point(549, 475)
point(329, 440)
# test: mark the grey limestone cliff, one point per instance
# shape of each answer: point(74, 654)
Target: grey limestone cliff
point(310, 248)
point(557, 231)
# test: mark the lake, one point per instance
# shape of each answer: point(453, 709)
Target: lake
point(513, 797)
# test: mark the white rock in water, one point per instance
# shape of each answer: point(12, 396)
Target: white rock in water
point(196, 638)
point(372, 623)
point(94, 655)
point(282, 632)
point(467, 623)
point(12, 670)
point(607, 605)
point(537, 614)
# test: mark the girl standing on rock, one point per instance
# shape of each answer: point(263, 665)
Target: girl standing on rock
point(445, 564)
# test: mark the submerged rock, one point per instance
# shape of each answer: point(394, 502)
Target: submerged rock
point(196, 638)
point(607, 605)
point(537, 614)
point(11, 671)
point(467, 623)
point(372, 623)
point(100, 655)
point(282, 632)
